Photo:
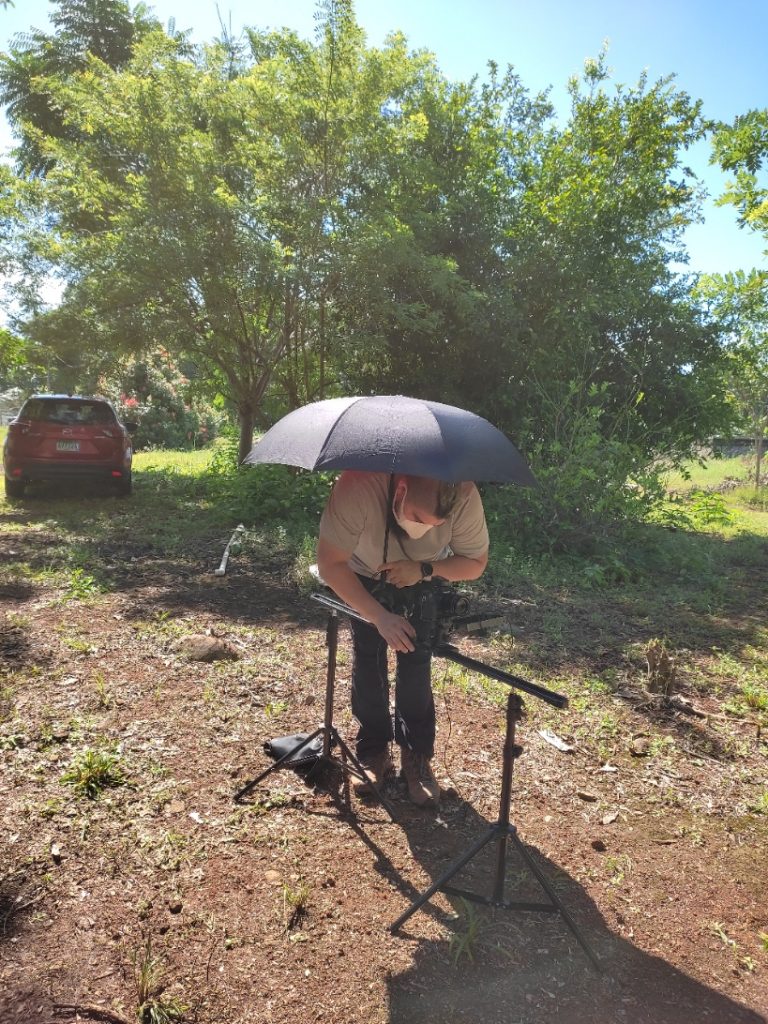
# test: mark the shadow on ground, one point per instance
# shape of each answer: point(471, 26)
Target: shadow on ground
point(514, 967)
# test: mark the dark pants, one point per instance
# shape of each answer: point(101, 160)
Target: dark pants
point(414, 704)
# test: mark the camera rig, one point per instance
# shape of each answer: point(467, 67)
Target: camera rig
point(437, 611)
point(434, 609)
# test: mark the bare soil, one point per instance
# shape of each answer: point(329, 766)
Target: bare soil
point(277, 910)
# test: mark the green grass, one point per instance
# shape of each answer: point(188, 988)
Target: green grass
point(710, 474)
point(185, 463)
point(92, 771)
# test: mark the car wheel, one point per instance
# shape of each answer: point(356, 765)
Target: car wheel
point(14, 488)
point(124, 486)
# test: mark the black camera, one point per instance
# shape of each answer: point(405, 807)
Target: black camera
point(433, 608)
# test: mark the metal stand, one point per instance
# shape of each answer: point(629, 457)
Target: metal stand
point(502, 831)
point(348, 763)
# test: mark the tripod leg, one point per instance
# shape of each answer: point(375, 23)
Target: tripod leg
point(276, 766)
point(454, 869)
point(554, 898)
point(360, 771)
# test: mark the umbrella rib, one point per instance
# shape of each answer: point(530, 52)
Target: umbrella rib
point(329, 434)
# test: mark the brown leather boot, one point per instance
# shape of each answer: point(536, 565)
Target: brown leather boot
point(423, 787)
point(378, 768)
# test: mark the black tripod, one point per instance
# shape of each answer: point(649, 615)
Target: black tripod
point(503, 830)
point(325, 761)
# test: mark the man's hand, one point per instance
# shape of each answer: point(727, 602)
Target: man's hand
point(402, 574)
point(397, 631)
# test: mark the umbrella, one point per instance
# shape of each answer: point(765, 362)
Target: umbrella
point(393, 434)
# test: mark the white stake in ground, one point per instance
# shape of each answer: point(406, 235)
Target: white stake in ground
point(235, 539)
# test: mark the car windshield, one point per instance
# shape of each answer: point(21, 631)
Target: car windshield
point(62, 410)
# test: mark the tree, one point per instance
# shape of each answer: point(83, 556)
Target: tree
point(214, 205)
point(743, 147)
point(740, 300)
point(301, 218)
point(106, 29)
point(740, 303)
point(590, 303)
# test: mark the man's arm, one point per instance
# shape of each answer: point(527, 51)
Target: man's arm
point(453, 569)
point(333, 564)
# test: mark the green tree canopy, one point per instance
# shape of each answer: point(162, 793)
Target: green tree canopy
point(308, 217)
point(742, 147)
point(739, 301)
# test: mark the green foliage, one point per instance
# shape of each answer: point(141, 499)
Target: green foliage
point(709, 510)
point(92, 771)
point(298, 218)
point(700, 510)
point(588, 486)
point(272, 496)
point(739, 302)
point(13, 359)
point(81, 586)
point(154, 393)
point(107, 29)
point(153, 1006)
point(465, 941)
point(743, 148)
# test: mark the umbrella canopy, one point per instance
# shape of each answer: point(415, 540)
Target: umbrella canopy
point(393, 434)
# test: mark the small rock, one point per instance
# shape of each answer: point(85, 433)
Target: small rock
point(609, 818)
point(56, 853)
point(599, 845)
point(205, 648)
point(590, 798)
point(639, 746)
point(273, 877)
point(176, 806)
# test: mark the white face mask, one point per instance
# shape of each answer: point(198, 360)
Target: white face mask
point(413, 529)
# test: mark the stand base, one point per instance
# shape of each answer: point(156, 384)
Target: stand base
point(501, 833)
point(348, 764)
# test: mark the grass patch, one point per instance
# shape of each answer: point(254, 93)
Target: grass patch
point(709, 473)
point(93, 771)
point(153, 1006)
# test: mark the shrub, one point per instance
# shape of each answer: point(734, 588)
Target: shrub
point(154, 393)
point(589, 487)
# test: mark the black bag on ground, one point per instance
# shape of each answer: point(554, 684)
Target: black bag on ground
point(304, 760)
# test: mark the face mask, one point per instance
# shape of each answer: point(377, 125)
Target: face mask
point(414, 530)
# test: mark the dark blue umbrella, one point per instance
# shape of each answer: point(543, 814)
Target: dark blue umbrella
point(393, 434)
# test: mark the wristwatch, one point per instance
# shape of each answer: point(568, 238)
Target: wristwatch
point(426, 570)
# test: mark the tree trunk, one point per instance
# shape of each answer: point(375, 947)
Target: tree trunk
point(247, 420)
point(759, 447)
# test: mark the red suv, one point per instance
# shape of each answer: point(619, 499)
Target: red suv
point(61, 436)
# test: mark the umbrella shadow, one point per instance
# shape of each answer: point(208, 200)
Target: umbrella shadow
point(511, 966)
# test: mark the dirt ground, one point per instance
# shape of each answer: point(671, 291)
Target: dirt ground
point(277, 909)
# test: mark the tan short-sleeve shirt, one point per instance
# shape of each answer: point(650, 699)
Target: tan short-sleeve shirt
point(355, 520)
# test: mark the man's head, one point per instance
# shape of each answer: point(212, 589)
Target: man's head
point(421, 499)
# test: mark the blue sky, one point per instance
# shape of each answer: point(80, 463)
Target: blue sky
point(716, 50)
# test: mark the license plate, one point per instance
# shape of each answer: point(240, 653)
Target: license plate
point(67, 446)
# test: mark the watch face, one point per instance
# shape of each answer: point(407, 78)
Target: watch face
point(426, 570)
